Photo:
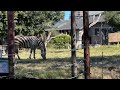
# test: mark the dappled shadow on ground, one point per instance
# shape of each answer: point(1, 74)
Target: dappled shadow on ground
point(43, 68)
point(49, 60)
point(95, 60)
point(106, 60)
point(106, 67)
point(110, 64)
point(49, 64)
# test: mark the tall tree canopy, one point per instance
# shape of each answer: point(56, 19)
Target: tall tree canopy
point(113, 18)
point(30, 22)
point(35, 22)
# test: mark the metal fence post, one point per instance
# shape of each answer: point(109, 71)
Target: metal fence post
point(73, 45)
point(86, 45)
point(11, 34)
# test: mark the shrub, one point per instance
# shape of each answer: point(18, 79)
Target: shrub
point(54, 33)
point(50, 45)
point(62, 41)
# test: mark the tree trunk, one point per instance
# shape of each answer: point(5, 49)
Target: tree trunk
point(73, 45)
point(11, 34)
point(86, 45)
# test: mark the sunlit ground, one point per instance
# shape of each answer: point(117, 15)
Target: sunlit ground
point(105, 63)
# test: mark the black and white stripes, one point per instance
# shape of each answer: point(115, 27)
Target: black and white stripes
point(31, 42)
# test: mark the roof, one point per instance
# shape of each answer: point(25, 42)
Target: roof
point(95, 12)
point(80, 13)
point(66, 24)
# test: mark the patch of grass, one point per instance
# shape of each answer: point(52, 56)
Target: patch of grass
point(42, 71)
point(55, 65)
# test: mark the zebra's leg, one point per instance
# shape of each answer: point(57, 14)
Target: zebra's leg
point(34, 52)
point(18, 56)
point(16, 51)
point(30, 53)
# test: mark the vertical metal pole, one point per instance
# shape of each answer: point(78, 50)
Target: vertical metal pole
point(11, 34)
point(102, 65)
point(73, 45)
point(86, 45)
point(101, 34)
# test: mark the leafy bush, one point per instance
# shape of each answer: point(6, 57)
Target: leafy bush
point(54, 33)
point(62, 41)
point(50, 45)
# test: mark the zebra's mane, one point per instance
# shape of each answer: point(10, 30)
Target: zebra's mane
point(39, 37)
point(25, 41)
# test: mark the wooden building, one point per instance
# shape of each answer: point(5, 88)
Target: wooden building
point(98, 31)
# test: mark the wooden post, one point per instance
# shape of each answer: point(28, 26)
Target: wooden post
point(101, 34)
point(86, 45)
point(73, 45)
point(11, 34)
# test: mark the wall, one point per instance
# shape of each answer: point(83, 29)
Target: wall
point(114, 37)
point(102, 36)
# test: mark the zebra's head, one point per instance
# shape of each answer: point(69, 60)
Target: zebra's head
point(43, 50)
point(42, 46)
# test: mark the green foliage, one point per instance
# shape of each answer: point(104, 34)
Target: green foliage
point(62, 41)
point(50, 45)
point(35, 22)
point(54, 33)
point(30, 22)
point(113, 18)
point(3, 26)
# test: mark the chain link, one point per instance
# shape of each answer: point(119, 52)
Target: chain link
point(69, 65)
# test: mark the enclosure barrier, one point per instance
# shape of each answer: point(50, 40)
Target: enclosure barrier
point(69, 65)
point(81, 61)
point(101, 64)
point(86, 41)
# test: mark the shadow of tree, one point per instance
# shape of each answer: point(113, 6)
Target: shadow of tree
point(106, 62)
point(95, 60)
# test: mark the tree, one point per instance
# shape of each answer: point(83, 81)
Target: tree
point(113, 18)
point(30, 22)
point(35, 22)
point(62, 41)
point(3, 26)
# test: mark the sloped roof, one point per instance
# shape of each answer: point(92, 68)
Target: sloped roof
point(95, 12)
point(66, 24)
point(80, 13)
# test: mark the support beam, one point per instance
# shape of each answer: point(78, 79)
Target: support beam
point(73, 45)
point(11, 34)
point(86, 45)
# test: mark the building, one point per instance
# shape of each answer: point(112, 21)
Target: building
point(98, 31)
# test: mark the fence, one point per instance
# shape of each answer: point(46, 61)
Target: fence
point(105, 64)
point(59, 66)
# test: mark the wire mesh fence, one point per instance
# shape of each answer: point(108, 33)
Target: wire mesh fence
point(56, 68)
point(104, 62)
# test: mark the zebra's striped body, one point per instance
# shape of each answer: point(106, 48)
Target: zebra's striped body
point(31, 42)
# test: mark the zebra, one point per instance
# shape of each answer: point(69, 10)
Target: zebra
point(31, 42)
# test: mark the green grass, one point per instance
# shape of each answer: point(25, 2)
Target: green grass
point(55, 65)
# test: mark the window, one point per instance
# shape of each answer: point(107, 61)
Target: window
point(104, 32)
point(96, 31)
